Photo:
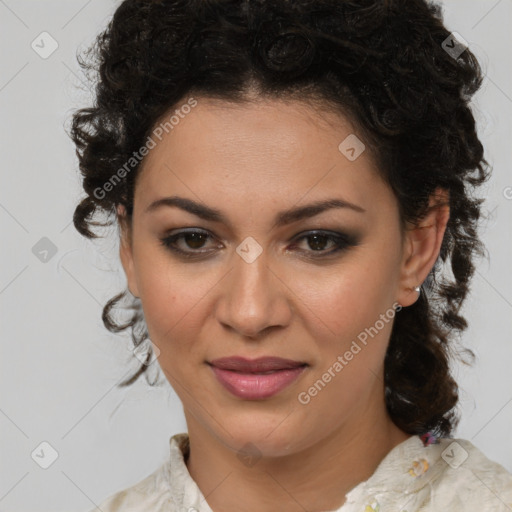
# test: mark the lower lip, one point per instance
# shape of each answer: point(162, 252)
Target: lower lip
point(252, 386)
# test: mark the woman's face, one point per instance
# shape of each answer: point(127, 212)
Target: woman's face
point(254, 273)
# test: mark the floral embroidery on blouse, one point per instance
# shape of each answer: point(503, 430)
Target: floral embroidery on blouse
point(418, 467)
point(373, 507)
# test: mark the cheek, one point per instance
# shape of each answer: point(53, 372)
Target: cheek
point(174, 301)
point(350, 318)
point(350, 321)
point(341, 302)
point(165, 294)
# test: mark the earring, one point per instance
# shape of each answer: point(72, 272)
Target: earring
point(417, 289)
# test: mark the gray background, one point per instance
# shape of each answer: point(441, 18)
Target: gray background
point(60, 367)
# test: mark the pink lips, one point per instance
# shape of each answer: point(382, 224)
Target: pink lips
point(258, 378)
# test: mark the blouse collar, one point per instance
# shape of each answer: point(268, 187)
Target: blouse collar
point(407, 468)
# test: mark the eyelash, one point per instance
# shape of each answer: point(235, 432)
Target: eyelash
point(342, 242)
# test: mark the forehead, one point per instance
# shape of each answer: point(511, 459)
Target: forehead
point(284, 126)
point(269, 149)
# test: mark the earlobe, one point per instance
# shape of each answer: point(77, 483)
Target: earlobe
point(125, 251)
point(423, 243)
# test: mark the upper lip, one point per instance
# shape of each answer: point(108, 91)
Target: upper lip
point(261, 364)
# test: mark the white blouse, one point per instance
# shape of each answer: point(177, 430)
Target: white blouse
point(448, 475)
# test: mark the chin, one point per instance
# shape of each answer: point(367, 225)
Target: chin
point(265, 434)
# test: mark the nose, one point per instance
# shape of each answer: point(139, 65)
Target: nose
point(255, 298)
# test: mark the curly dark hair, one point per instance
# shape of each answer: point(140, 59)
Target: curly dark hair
point(383, 63)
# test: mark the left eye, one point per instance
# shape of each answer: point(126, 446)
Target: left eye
point(317, 241)
point(195, 240)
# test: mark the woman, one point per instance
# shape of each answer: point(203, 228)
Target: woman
point(289, 179)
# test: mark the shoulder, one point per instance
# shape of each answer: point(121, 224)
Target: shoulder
point(448, 474)
point(151, 493)
point(468, 478)
point(161, 491)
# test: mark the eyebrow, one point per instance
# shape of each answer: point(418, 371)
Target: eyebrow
point(282, 218)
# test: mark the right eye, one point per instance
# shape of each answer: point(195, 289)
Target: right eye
point(181, 242)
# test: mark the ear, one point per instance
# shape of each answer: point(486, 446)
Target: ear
point(422, 243)
point(125, 250)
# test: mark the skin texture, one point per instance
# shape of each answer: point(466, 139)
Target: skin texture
point(251, 162)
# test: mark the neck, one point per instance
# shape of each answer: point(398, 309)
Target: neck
point(316, 478)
